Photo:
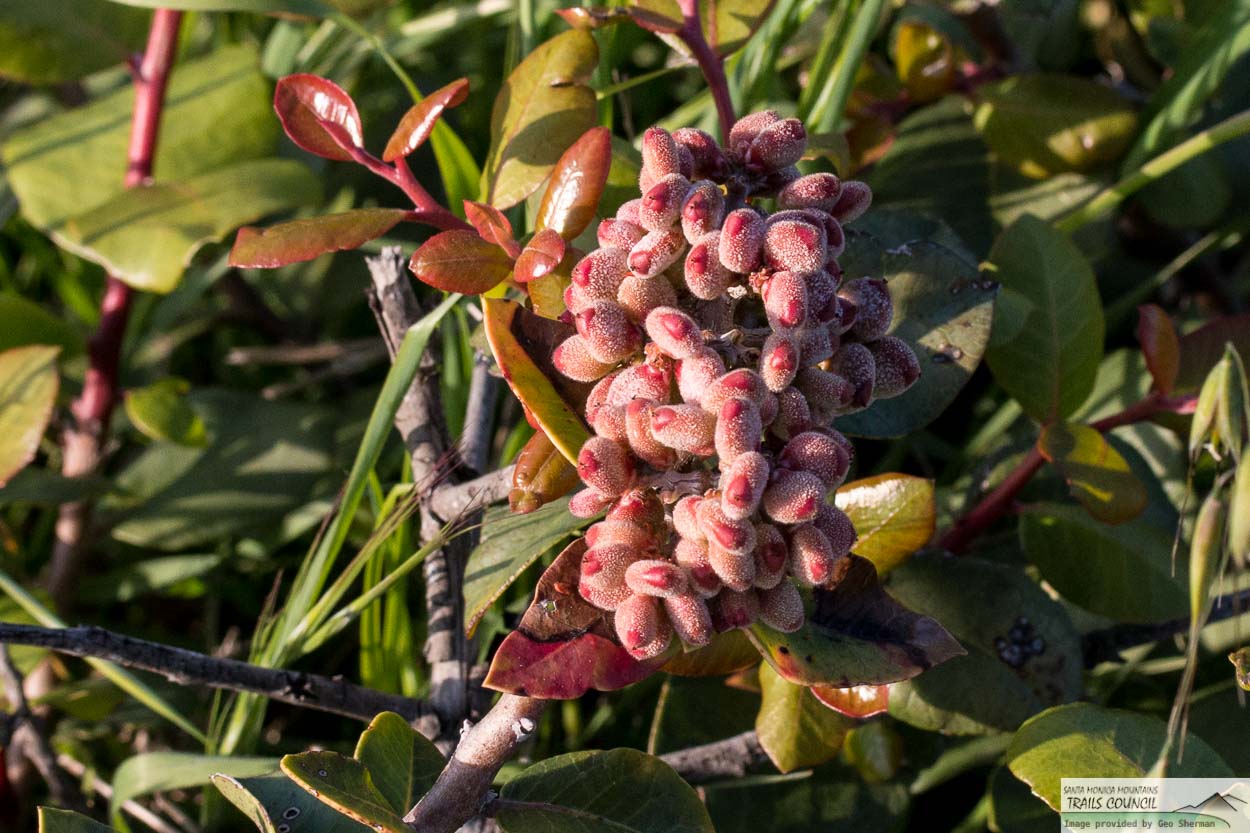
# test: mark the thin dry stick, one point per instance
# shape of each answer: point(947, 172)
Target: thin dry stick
point(310, 691)
point(29, 734)
point(104, 789)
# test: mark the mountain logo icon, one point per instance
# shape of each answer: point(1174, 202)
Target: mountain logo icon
point(1232, 806)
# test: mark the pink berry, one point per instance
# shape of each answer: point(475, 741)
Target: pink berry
point(572, 357)
point(602, 577)
point(638, 296)
point(747, 129)
point(896, 364)
point(655, 577)
point(793, 496)
point(605, 465)
point(692, 556)
point(735, 609)
point(827, 394)
point(854, 200)
point(599, 274)
point(640, 506)
point(781, 608)
point(736, 570)
point(742, 485)
point(795, 245)
point(690, 618)
point(589, 502)
point(779, 361)
point(723, 532)
point(705, 154)
point(837, 528)
point(674, 332)
point(854, 363)
point(811, 556)
point(778, 145)
point(874, 310)
point(819, 454)
point(819, 190)
point(785, 299)
point(686, 428)
point(659, 153)
point(609, 335)
point(738, 430)
point(642, 441)
point(629, 211)
point(626, 533)
point(657, 251)
point(695, 373)
point(793, 416)
point(742, 240)
point(706, 276)
point(817, 344)
point(662, 203)
point(742, 383)
point(619, 234)
point(702, 211)
point(639, 381)
point(686, 519)
point(609, 422)
point(772, 556)
point(642, 627)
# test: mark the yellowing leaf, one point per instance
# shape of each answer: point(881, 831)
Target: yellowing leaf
point(794, 727)
point(1098, 476)
point(894, 515)
point(28, 386)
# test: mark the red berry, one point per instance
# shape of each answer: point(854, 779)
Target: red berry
point(629, 211)
point(837, 528)
point(605, 465)
point(817, 344)
point(742, 485)
point(702, 211)
point(854, 200)
point(657, 251)
point(854, 363)
point(735, 610)
point(743, 383)
point(626, 533)
point(742, 240)
point(811, 556)
point(746, 129)
point(779, 361)
point(874, 310)
point(640, 506)
point(674, 332)
point(778, 145)
point(793, 414)
point(609, 335)
point(707, 158)
point(827, 394)
point(785, 300)
point(736, 570)
point(819, 190)
point(772, 556)
point(738, 430)
point(643, 627)
point(692, 556)
point(602, 578)
point(662, 203)
point(655, 577)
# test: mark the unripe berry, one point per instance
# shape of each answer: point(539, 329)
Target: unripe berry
point(742, 485)
point(707, 157)
point(599, 274)
point(746, 129)
point(777, 146)
point(702, 211)
point(785, 299)
point(817, 344)
point(771, 556)
point(819, 454)
point(811, 556)
point(793, 415)
point(686, 428)
point(619, 234)
point(692, 557)
point(742, 240)
point(855, 364)
point(657, 251)
point(795, 245)
point(641, 506)
point(827, 394)
point(724, 533)
point(686, 519)
point(779, 361)
point(659, 153)
point(639, 381)
point(572, 357)
point(854, 200)
point(609, 335)
point(662, 203)
point(626, 533)
point(735, 610)
point(820, 190)
point(642, 441)
point(736, 570)
point(589, 502)
point(874, 310)
point(642, 627)
point(897, 367)
point(638, 296)
point(674, 332)
point(609, 421)
point(602, 578)
point(738, 430)
point(605, 465)
point(690, 618)
point(781, 608)
point(793, 497)
point(706, 276)
point(743, 383)
point(837, 528)
point(695, 373)
point(655, 577)
point(822, 288)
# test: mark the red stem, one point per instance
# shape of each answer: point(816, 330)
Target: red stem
point(712, 65)
point(1003, 497)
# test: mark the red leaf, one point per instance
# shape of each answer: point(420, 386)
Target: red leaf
point(491, 223)
point(1159, 345)
point(460, 261)
point(576, 184)
point(303, 101)
point(857, 701)
point(417, 124)
point(301, 240)
point(542, 254)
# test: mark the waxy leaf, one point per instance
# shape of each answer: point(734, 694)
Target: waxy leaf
point(418, 123)
point(28, 386)
point(943, 310)
point(620, 791)
point(310, 8)
point(345, 785)
point(1098, 476)
point(1082, 740)
point(728, 652)
point(564, 647)
point(154, 772)
point(522, 343)
point(547, 293)
point(300, 240)
point(858, 701)
point(303, 102)
point(542, 474)
point(1048, 327)
point(795, 728)
point(854, 635)
point(401, 761)
point(540, 256)
point(894, 515)
point(276, 805)
point(543, 107)
point(572, 195)
point(161, 411)
point(509, 545)
point(460, 261)
point(1159, 345)
point(492, 225)
point(52, 820)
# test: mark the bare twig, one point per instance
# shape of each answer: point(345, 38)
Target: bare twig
point(104, 789)
point(1105, 645)
point(30, 735)
point(479, 415)
point(712, 65)
point(455, 500)
point(310, 691)
point(728, 758)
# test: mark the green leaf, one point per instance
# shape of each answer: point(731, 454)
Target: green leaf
point(894, 515)
point(161, 411)
point(621, 791)
point(146, 236)
point(1023, 652)
point(28, 386)
point(152, 575)
point(41, 486)
point(1014, 808)
point(52, 820)
point(1082, 740)
point(796, 729)
point(460, 261)
point(543, 107)
point(856, 635)
point(51, 43)
point(23, 322)
point(943, 309)
point(509, 545)
point(1097, 475)
point(1048, 330)
point(1048, 124)
point(346, 785)
point(263, 460)
point(300, 240)
point(692, 711)
point(1123, 572)
point(727, 24)
point(216, 113)
point(402, 763)
point(313, 8)
point(276, 805)
point(161, 771)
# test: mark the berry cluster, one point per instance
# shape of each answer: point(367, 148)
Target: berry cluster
point(723, 341)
